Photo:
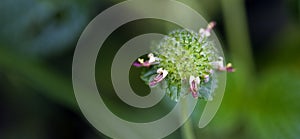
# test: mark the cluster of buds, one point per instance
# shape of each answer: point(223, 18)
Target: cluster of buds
point(184, 55)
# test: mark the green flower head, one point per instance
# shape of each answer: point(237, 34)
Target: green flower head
point(184, 62)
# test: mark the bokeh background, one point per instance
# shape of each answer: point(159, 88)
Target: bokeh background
point(38, 38)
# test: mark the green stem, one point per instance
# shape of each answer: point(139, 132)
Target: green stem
point(187, 128)
point(239, 42)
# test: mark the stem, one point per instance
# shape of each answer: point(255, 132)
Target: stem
point(187, 128)
point(239, 43)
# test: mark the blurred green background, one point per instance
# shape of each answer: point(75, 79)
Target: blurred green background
point(38, 38)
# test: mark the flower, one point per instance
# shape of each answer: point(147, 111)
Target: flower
point(206, 32)
point(206, 78)
point(229, 68)
point(141, 63)
point(152, 58)
point(219, 65)
point(186, 62)
point(194, 82)
point(159, 77)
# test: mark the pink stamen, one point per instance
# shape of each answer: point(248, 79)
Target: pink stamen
point(230, 69)
point(193, 88)
point(137, 64)
point(144, 64)
point(156, 79)
point(206, 32)
point(194, 81)
point(159, 77)
point(152, 61)
point(210, 26)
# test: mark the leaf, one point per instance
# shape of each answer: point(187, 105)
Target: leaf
point(147, 75)
point(174, 92)
point(207, 89)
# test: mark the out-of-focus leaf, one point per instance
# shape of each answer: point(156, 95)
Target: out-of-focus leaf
point(40, 27)
point(207, 89)
point(39, 76)
point(275, 112)
point(147, 75)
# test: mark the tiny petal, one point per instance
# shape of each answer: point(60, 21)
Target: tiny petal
point(197, 80)
point(201, 30)
point(192, 78)
point(150, 55)
point(160, 70)
point(206, 32)
point(165, 73)
point(151, 58)
point(206, 78)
